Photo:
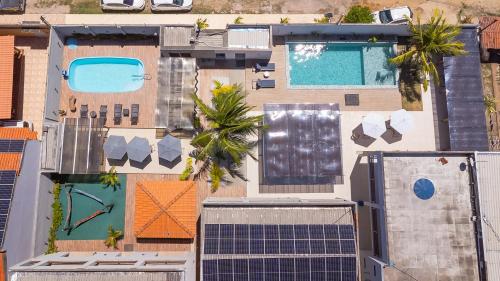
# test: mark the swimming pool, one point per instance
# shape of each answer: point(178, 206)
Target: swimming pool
point(340, 65)
point(105, 75)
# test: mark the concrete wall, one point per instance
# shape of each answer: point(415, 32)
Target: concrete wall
point(43, 218)
point(54, 76)
point(343, 29)
point(20, 232)
point(230, 54)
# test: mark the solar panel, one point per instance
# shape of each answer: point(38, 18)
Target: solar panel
point(226, 231)
point(256, 246)
point(346, 232)
point(211, 246)
point(287, 265)
point(333, 275)
point(316, 231)
point(318, 264)
point(241, 231)
point(226, 246)
point(241, 246)
point(271, 265)
point(319, 276)
point(272, 246)
point(301, 231)
point(7, 177)
point(240, 277)
point(225, 266)
point(348, 263)
point(331, 231)
point(5, 192)
point(287, 246)
point(332, 246)
point(256, 231)
point(317, 246)
point(333, 263)
point(255, 265)
point(4, 207)
point(240, 266)
point(347, 247)
point(211, 231)
point(302, 247)
point(286, 231)
point(11, 145)
point(209, 267)
point(271, 231)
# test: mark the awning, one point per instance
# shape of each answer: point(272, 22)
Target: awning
point(115, 147)
point(169, 148)
point(138, 149)
point(373, 125)
point(6, 75)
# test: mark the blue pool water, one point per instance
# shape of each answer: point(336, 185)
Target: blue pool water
point(340, 64)
point(105, 75)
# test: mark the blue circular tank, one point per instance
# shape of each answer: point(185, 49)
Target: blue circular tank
point(424, 188)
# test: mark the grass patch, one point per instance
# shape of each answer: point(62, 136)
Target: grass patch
point(85, 7)
point(57, 217)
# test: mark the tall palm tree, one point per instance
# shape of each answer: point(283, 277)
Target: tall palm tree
point(110, 179)
point(223, 143)
point(429, 42)
point(113, 236)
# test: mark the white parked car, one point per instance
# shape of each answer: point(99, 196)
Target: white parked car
point(393, 15)
point(122, 5)
point(171, 5)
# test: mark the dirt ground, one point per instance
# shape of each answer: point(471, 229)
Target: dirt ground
point(338, 7)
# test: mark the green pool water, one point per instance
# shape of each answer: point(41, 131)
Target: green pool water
point(96, 228)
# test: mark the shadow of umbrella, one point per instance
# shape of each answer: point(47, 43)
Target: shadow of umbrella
point(391, 135)
point(359, 138)
point(115, 162)
point(141, 165)
point(170, 164)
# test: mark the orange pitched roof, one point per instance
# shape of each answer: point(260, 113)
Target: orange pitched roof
point(17, 134)
point(6, 75)
point(10, 161)
point(490, 32)
point(165, 209)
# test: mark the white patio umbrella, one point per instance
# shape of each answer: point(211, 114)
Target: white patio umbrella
point(402, 121)
point(373, 125)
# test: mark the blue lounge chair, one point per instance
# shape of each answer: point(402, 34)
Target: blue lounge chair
point(265, 67)
point(266, 83)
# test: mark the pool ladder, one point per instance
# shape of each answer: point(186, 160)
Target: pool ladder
point(145, 76)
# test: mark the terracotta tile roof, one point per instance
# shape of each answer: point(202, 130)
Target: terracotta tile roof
point(490, 35)
point(17, 134)
point(165, 209)
point(6, 75)
point(10, 161)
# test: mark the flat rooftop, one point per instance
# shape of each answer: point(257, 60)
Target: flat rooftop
point(429, 239)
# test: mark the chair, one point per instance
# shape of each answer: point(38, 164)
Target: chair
point(134, 117)
point(266, 83)
point(265, 67)
point(103, 111)
point(84, 111)
point(118, 113)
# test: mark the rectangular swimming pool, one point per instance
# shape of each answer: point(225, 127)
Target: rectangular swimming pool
point(340, 65)
point(105, 75)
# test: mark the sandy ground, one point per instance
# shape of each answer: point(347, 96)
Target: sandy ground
point(338, 7)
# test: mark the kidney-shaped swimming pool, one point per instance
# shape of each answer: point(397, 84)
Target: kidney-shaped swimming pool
point(105, 75)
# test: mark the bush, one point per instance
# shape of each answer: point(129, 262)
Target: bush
point(322, 20)
point(57, 218)
point(359, 14)
point(187, 171)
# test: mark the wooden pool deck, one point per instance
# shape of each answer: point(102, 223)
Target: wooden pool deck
point(129, 241)
point(146, 51)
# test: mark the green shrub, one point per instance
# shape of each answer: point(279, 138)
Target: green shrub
point(322, 20)
point(238, 20)
point(284, 20)
point(187, 171)
point(57, 218)
point(359, 14)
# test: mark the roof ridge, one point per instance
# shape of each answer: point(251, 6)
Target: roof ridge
point(182, 193)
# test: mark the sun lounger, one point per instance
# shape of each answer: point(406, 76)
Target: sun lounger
point(103, 111)
point(118, 113)
point(72, 103)
point(266, 83)
point(84, 111)
point(134, 115)
point(265, 67)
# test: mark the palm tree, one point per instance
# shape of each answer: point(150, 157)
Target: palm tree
point(490, 104)
point(430, 41)
point(202, 23)
point(113, 236)
point(223, 144)
point(110, 179)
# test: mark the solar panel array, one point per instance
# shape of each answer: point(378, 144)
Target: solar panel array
point(7, 179)
point(286, 252)
point(11, 145)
